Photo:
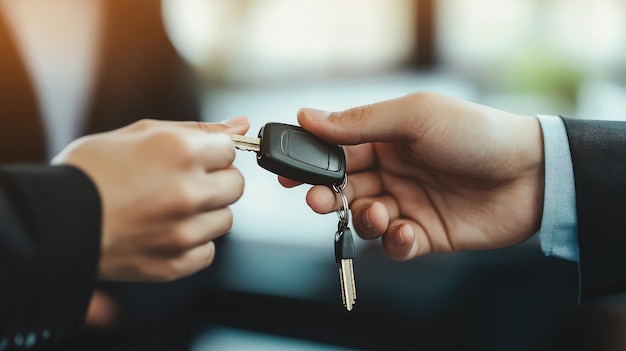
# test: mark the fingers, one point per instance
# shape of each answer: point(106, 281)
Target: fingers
point(236, 125)
point(170, 252)
point(187, 246)
point(402, 239)
point(287, 183)
point(371, 216)
point(202, 192)
point(184, 235)
point(195, 259)
point(189, 262)
point(189, 143)
point(211, 151)
point(215, 149)
point(221, 188)
point(322, 199)
point(391, 120)
point(401, 242)
point(359, 157)
point(102, 312)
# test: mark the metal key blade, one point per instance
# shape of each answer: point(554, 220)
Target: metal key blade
point(348, 288)
point(344, 254)
point(246, 143)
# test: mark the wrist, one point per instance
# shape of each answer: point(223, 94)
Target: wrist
point(532, 157)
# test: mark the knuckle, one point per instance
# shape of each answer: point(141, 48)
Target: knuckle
point(223, 143)
point(172, 270)
point(361, 116)
point(229, 153)
point(357, 114)
point(362, 113)
point(222, 223)
point(239, 183)
point(183, 198)
point(181, 266)
point(169, 140)
point(168, 276)
point(168, 144)
point(181, 238)
point(422, 95)
point(190, 263)
point(228, 220)
point(209, 255)
point(143, 124)
point(156, 272)
point(221, 149)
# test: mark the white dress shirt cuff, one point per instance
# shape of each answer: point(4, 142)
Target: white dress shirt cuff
point(558, 233)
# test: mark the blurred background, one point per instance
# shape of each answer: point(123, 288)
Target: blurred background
point(274, 285)
point(531, 56)
point(267, 58)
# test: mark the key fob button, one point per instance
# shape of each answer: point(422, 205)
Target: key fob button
point(334, 163)
point(305, 148)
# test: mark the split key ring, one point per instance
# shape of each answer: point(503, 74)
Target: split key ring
point(344, 211)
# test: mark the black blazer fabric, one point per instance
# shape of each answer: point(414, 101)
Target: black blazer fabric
point(50, 216)
point(598, 151)
point(49, 250)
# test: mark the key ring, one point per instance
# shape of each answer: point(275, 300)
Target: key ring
point(344, 212)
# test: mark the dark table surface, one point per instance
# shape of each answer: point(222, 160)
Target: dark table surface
point(510, 299)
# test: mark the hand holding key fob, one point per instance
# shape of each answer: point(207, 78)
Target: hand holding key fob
point(294, 153)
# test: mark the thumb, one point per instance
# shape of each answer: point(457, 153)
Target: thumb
point(391, 120)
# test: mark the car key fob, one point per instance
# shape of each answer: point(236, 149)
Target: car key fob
point(294, 153)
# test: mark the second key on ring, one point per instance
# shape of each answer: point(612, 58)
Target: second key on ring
point(344, 255)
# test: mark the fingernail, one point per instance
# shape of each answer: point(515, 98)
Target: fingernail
point(366, 221)
point(400, 238)
point(236, 121)
point(315, 115)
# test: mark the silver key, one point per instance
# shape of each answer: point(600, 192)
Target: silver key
point(344, 254)
point(246, 143)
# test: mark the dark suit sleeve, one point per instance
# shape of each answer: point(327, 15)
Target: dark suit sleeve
point(49, 250)
point(598, 150)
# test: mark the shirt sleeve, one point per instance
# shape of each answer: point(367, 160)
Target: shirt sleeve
point(558, 232)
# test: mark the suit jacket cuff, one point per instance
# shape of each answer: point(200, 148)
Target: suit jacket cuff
point(51, 261)
point(598, 151)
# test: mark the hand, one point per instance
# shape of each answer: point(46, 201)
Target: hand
point(165, 189)
point(431, 173)
point(102, 312)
